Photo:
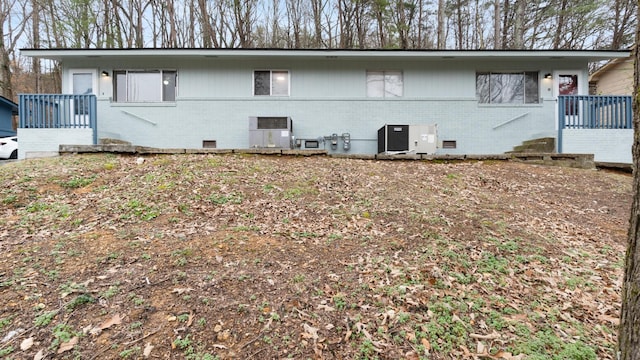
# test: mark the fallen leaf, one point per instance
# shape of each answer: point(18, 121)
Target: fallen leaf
point(507, 356)
point(411, 336)
point(66, 346)
point(481, 349)
point(181, 291)
point(114, 320)
point(147, 350)
point(426, 344)
point(411, 355)
point(26, 344)
point(39, 355)
point(326, 308)
point(310, 332)
point(607, 318)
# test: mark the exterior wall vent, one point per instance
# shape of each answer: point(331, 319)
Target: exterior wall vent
point(270, 132)
point(209, 144)
point(449, 144)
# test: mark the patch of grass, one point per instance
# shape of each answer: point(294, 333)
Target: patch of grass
point(45, 319)
point(77, 182)
point(62, 333)
point(80, 300)
point(129, 352)
point(142, 211)
point(136, 299)
point(299, 190)
point(5, 321)
point(6, 351)
point(490, 263)
point(135, 325)
point(182, 343)
point(10, 199)
point(339, 302)
point(221, 199)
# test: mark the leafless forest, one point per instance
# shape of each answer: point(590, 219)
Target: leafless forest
point(346, 24)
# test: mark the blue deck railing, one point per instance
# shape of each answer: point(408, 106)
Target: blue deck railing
point(595, 112)
point(58, 111)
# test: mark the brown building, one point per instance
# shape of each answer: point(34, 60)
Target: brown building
point(614, 78)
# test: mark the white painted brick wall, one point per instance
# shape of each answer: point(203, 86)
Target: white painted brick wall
point(187, 123)
point(45, 142)
point(607, 145)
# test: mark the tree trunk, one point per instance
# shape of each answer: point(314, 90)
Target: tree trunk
point(558, 37)
point(497, 42)
point(460, 25)
point(518, 37)
point(505, 24)
point(317, 7)
point(441, 40)
point(629, 331)
point(35, 22)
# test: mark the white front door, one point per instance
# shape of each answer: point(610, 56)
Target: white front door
point(569, 83)
point(82, 82)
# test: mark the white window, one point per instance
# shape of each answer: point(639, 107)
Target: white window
point(507, 87)
point(271, 83)
point(145, 86)
point(383, 84)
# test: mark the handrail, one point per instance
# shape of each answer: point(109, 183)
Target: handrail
point(139, 117)
point(510, 120)
point(595, 112)
point(58, 111)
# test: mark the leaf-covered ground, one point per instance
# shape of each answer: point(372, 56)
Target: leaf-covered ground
point(257, 257)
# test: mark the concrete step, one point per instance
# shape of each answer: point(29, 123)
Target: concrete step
point(541, 145)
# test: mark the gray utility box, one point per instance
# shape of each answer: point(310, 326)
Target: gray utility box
point(423, 139)
point(270, 132)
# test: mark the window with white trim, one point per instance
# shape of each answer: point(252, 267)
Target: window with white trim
point(271, 83)
point(507, 87)
point(140, 86)
point(385, 84)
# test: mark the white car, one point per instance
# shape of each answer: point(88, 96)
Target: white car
point(9, 147)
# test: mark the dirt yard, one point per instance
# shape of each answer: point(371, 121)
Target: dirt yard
point(267, 257)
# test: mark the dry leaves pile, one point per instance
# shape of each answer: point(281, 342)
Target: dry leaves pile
point(205, 257)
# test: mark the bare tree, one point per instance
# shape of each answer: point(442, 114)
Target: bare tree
point(11, 11)
point(244, 15)
point(624, 16)
point(294, 16)
point(317, 8)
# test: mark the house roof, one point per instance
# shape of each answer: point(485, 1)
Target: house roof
point(588, 55)
point(10, 104)
point(610, 65)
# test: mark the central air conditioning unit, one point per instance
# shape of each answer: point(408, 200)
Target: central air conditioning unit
point(405, 139)
point(270, 132)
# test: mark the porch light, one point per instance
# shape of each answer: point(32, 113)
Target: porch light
point(548, 76)
point(104, 74)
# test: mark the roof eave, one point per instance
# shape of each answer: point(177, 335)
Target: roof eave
point(589, 55)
